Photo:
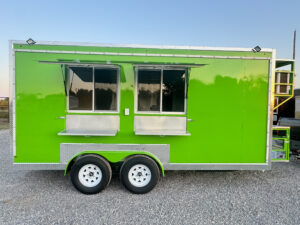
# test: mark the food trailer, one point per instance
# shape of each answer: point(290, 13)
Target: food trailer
point(90, 109)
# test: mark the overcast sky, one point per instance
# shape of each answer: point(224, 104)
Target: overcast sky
point(267, 23)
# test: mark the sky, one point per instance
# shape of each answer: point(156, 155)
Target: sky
point(214, 23)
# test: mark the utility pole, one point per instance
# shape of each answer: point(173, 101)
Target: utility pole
point(294, 46)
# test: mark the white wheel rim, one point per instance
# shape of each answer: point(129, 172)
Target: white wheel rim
point(139, 175)
point(90, 175)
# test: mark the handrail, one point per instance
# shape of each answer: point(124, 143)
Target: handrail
point(291, 85)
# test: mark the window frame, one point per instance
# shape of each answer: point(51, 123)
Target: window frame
point(93, 111)
point(161, 68)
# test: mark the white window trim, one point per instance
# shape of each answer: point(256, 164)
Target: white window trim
point(93, 111)
point(161, 68)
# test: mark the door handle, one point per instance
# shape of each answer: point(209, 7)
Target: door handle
point(61, 117)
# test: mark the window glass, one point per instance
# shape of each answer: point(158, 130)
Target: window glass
point(106, 87)
point(149, 90)
point(173, 90)
point(80, 88)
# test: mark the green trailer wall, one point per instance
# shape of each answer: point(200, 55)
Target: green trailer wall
point(227, 101)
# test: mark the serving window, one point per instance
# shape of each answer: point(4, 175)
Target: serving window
point(93, 89)
point(161, 90)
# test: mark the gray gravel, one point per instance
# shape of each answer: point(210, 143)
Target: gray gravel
point(190, 197)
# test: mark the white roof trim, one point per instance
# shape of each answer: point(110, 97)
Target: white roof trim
point(143, 46)
point(286, 60)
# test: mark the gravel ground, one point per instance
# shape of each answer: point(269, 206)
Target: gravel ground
point(189, 197)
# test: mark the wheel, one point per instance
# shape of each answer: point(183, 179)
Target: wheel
point(139, 174)
point(90, 174)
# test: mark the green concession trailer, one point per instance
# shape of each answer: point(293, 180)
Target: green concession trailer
point(91, 109)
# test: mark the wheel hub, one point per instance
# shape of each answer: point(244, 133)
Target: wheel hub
point(90, 175)
point(139, 175)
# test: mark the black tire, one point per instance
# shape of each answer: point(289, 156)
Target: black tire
point(82, 163)
point(132, 163)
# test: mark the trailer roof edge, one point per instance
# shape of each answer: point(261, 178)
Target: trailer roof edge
point(286, 60)
point(142, 46)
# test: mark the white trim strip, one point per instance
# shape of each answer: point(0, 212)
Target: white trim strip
point(141, 54)
point(12, 99)
point(216, 166)
point(166, 166)
point(270, 108)
point(142, 46)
